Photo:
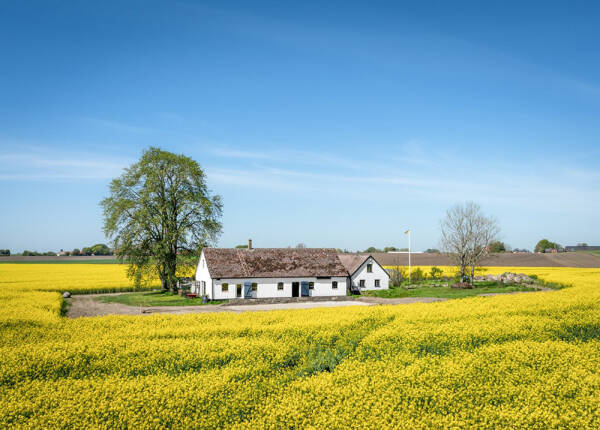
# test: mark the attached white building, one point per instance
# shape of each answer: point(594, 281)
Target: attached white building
point(364, 272)
point(229, 273)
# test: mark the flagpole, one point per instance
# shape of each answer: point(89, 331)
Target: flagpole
point(409, 256)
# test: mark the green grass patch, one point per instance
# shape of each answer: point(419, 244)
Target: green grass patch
point(156, 298)
point(438, 289)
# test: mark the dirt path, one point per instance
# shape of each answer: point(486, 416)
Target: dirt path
point(88, 306)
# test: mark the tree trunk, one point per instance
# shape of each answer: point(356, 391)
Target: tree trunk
point(170, 273)
point(463, 266)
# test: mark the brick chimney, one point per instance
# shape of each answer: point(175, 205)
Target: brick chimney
point(249, 243)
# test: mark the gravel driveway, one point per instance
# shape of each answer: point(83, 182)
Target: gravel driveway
point(88, 306)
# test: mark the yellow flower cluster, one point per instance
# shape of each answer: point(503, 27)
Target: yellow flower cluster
point(527, 360)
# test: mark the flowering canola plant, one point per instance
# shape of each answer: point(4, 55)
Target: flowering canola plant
point(516, 361)
point(75, 278)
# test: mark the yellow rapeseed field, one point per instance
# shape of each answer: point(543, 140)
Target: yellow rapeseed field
point(75, 278)
point(517, 361)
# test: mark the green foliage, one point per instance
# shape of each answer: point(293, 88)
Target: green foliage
point(429, 288)
point(372, 249)
point(156, 298)
point(432, 251)
point(544, 244)
point(160, 214)
point(496, 246)
point(242, 246)
point(397, 275)
point(390, 248)
point(436, 272)
point(76, 252)
point(4, 252)
point(417, 274)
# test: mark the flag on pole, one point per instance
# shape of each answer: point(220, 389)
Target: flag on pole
point(407, 231)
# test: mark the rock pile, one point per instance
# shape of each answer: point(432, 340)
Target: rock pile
point(507, 278)
point(462, 286)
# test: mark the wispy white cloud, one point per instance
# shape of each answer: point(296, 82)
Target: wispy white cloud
point(39, 164)
point(517, 185)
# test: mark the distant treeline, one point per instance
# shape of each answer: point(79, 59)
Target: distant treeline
point(98, 249)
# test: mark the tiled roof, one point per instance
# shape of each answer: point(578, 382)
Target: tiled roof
point(273, 262)
point(352, 261)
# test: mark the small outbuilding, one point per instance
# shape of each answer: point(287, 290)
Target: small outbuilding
point(364, 272)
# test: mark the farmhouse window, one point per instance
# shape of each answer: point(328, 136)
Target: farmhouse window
point(254, 286)
point(370, 268)
point(238, 290)
point(334, 284)
point(362, 283)
point(311, 285)
point(280, 285)
point(224, 287)
point(377, 285)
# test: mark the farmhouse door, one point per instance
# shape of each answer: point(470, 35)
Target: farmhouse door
point(247, 290)
point(304, 288)
point(295, 289)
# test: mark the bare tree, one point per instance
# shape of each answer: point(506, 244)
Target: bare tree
point(466, 234)
point(301, 245)
point(484, 231)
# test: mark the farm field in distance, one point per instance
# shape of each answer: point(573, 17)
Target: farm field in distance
point(525, 360)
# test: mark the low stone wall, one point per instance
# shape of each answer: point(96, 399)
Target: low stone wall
point(273, 300)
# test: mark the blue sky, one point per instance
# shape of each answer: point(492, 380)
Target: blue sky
point(335, 124)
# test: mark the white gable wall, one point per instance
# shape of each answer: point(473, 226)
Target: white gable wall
point(203, 275)
point(378, 273)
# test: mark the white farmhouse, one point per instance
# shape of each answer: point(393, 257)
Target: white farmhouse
point(364, 272)
point(229, 273)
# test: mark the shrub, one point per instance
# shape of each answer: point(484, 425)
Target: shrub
point(397, 275)
point(436, 272)
point(417, 275)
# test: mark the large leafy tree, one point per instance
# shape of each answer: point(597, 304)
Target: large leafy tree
point(160, 214)
point(544, 244)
